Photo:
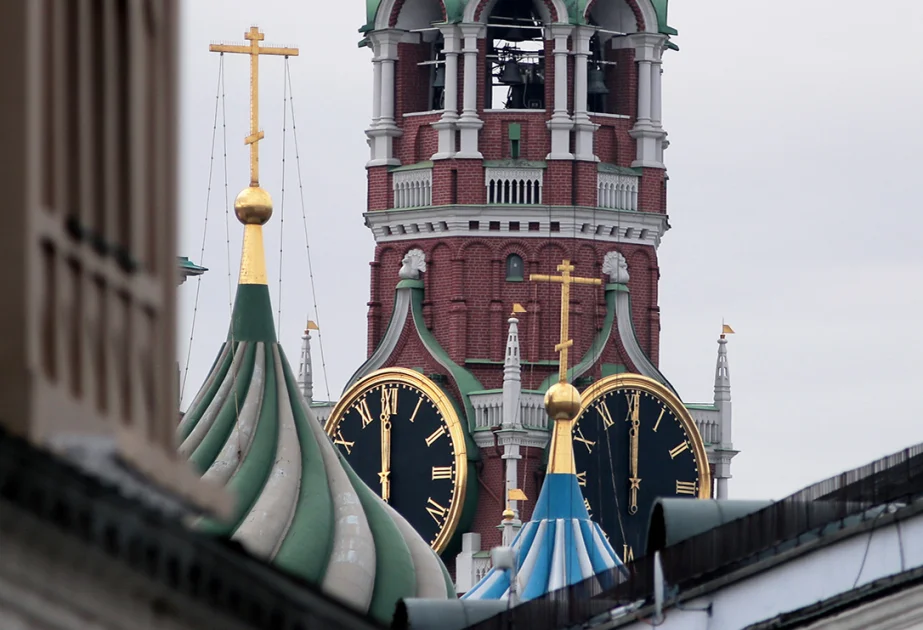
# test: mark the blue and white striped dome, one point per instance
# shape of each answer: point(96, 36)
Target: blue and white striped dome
point(560, 546)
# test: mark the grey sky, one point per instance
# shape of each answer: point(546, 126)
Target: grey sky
point(794, 163)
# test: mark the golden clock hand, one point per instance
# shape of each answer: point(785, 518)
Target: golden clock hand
point(384, 475)
point(634, 433)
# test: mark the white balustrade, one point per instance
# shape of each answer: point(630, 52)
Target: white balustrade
point(488, 410)
point(617, 192)
point(519, 186)
point(413, 189)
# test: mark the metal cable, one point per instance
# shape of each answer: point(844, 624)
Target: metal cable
point(304, 220)
point(208, 195)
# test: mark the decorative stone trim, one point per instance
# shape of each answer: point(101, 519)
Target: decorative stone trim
point(413, 188)
point(605, 226)
point(617, 192)
point(488, 410)
point(516, 186)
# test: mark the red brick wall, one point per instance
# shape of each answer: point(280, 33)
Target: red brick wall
point(468, 300)
point(534, 144)
point(411, 81)
point(491, 472)
point(420, 141)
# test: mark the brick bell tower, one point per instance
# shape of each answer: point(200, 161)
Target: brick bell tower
point(506, 136)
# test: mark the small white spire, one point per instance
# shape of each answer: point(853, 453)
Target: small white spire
point(512, 377)
point(723, 404)
point(305, 370)
point(722, 373)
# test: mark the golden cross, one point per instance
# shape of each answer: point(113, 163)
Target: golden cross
point(254, 36)
point(566, 280)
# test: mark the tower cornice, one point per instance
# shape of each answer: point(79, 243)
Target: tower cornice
point(439, 222)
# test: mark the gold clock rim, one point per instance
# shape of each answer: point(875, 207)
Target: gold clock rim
point(444, 406)
point(655, 388)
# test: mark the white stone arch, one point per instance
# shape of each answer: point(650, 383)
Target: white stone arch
point(645, 6)
point(559, 6)
point(414, 13)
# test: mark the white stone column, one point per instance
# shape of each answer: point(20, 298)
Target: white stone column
point(656, 93)
point(648, 131)
point(469, 123)
point(446, 125)
point(584, 126)
point(560, 124)
point(376, 91)
point(384, 128)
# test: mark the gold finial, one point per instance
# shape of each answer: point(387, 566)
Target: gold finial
point(562, 400)
point(253, 205)
point(508, 514)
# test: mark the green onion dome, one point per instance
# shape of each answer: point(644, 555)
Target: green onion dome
point(299, 505)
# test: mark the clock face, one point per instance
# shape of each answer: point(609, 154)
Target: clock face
point(634, 441)
point(403, 438)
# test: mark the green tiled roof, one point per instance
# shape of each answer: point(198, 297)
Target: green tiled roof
point(299, 504)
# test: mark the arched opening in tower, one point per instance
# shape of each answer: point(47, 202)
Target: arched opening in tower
point(515, 56)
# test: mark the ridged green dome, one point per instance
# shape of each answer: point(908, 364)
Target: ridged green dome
point(299, 504)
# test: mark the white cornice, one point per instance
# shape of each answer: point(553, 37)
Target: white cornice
point(605, 226)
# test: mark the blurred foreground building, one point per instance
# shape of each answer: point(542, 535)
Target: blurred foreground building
point(92, 490)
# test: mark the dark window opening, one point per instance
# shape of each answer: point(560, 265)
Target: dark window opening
point(494, 226)
point(598, 69)
point(555, 226)
point(514, 268)
point(515, 57)
point(474, 225)
point(514, 226)
point(534, 226)
point(437, 75)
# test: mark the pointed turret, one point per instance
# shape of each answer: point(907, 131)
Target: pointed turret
point(511, 423)
point(306, 370)
point(512, 378)
point(723, 405)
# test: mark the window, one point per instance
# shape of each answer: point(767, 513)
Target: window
point(514, 268)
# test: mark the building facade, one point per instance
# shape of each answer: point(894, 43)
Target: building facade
point(508, 136)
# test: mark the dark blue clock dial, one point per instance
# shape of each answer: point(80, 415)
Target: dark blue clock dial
point(400, 444)
point(630, 447)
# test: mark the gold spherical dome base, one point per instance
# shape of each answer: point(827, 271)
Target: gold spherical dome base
point(508, 514)
point(253, 206)
point(562, 401)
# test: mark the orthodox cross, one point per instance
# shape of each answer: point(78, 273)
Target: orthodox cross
point(254, 36)
point(566, 280)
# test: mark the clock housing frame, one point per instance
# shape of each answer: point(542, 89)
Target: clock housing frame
point(630, 381)
point(446, 408)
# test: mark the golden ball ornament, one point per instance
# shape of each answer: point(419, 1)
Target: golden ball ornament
point(562, 401)
point(508, 514)
point(253, 206)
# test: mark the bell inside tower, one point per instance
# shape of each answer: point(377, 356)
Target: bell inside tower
point(515, 57)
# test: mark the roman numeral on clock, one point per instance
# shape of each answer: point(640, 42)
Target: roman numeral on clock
point(581, 478)
point(436, 511)
point(435, 435)
point(586, 504)
point(579, 438)
point(676, 450)
point(388, 401)
point(685, 487)
point(442, 472)
point(603, 410)
point(363, 408)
